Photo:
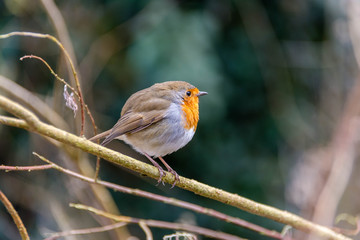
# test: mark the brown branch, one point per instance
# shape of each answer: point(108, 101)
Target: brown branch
point(85, 231)
point(52, 72)
point(146, 230)
point(167, 200)
point(159, 224)
point(14, 122)
point(65, 83)
point(61, 29)
point(10, 208)
point(204, 190)
point(25, 168)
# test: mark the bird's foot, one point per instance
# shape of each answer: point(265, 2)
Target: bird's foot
point(161, 171)
point(162, 174)
point(177, 178)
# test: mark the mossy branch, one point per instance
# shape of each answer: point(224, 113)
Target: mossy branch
point(35, 125)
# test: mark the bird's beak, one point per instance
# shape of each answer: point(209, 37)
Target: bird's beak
point(201, 94)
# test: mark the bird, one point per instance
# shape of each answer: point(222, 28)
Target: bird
point(158, 121)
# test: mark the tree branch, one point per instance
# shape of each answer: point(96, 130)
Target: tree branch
point(25, 168)
point(85, 231)
point(10, 208)
point(160, 224)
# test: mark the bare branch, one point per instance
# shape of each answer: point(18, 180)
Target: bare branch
point(146, 230)
point(25, 168)
point(160, 224)
point(66, 84)
point(51, 71)
point(85, 231)
point(10, 208)
point(14, 122)
point(61, 29)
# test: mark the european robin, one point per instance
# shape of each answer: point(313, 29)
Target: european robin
point(157, 121)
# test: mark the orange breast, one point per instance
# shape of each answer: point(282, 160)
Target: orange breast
point(190, 109)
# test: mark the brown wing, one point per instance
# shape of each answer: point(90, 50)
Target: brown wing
point(132, 122)
point(142, 109)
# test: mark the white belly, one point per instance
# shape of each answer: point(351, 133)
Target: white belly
point(162, 138)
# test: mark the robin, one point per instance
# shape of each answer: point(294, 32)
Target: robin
point(157, 121)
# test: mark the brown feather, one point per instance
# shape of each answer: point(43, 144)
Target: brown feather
point(133, 122)
point(100, 135)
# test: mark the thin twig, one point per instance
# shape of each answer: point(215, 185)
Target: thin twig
point(54, 236)
point(52, 72)
point(67, 85)
point(166, 200)
point(55, 40)
point(146, 230)
point(61, 29)
point(204, 190)
point(10, 208)
point(159, 224)
point(23, 168)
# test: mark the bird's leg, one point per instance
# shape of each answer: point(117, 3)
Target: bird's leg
point(161, 171)
point(177, 178)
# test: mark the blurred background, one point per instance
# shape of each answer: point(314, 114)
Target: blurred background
point(280, 124)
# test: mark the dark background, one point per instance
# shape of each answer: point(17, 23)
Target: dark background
point(278, 74)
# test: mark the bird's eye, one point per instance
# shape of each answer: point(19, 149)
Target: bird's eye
point(188, 93)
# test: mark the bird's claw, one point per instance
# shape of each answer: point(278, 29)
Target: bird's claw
point(162, 175)
point(176, 176)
